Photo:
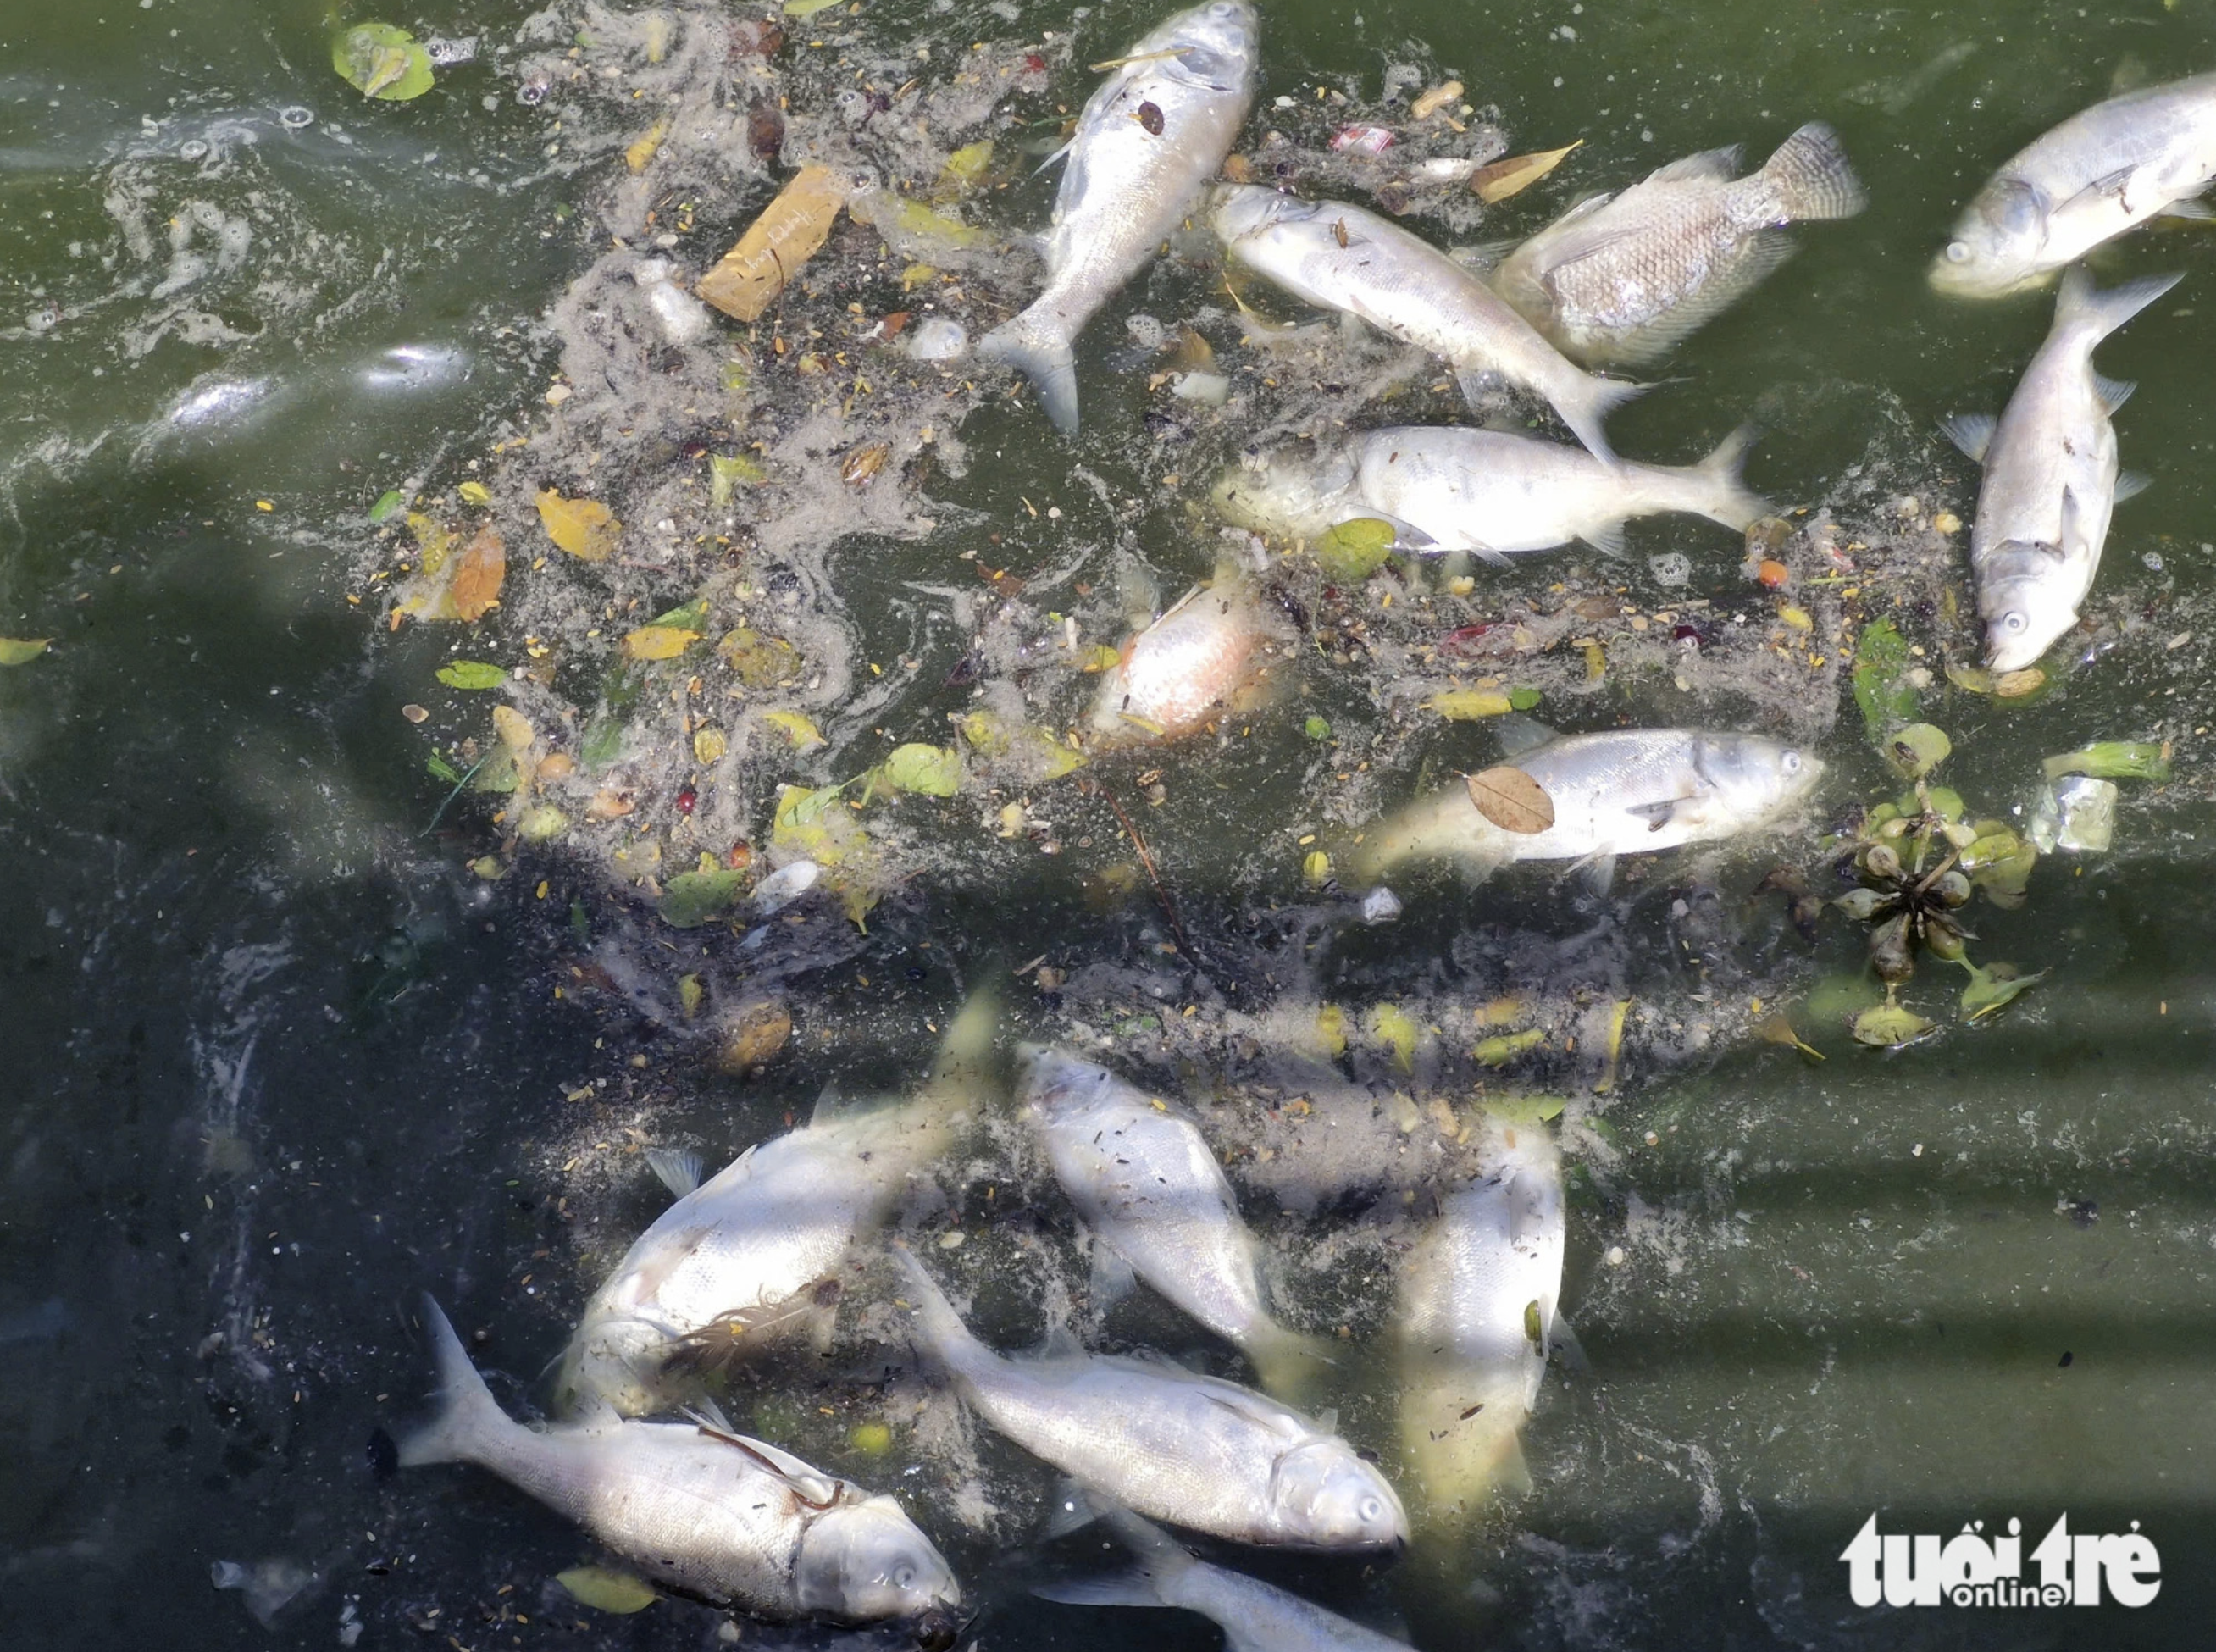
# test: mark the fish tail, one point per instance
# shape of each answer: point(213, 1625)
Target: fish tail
point(965, 1049)
point(468, 1415)
point(1726, 497)
point(1588, 400)
point(1442, 828)
point(1290, 1363)
point(1034, 347)
point(1160, 1558)
point(2078, 306)
point(943, 1334)
point(1812, 176)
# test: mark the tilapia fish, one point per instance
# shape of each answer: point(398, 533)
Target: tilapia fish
point(1340, 257)
point(1194, 1451)
point(1476, 1321)
point(1202, 656)
point(1148, 1186)
point(1622, 278)
point(748, 1248)
point(1625, 791)
point(1255, 1616)
point(1147, 143)
point(1487, 491)
point(2051, 477)
point(2103, 171)
point(708, 1512)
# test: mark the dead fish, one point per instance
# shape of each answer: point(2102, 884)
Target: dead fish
point(2051, 477)
point(1147, 143)
point(1205, 650)
point(2103, 171)
point(1622, 278)
point(694, 1506)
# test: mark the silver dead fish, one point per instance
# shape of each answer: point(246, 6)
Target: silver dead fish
point(2103, 171)
point(1147, 143)
point(1340, 257)
point(1476, 1321)
point(1622, 278)
point(1487, 491)
point(748, 1249)
point(2051, 477)
point(1194, 1451)
point(1150, 1189)
point(1625, 791)
point(1255, 1616)
point(712, 1513)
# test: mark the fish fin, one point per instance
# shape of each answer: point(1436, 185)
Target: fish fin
point(1327, 1419)
point(1477, 384)
point(2130, 485)
point(1717, 164)
point(2080, 305)
point(811, 1482)
point(2073, 520)
point(1133, 1587)
point(1288, 1362)
point(1519, 734)
point(1113, 1279)
point(1590, 400)
point(966, 1048)
point(1044, 356)
point(1481, 255)
point(1731, 279)
point(1656, 814)
point(1073, 1510)
point(1511, 1473)
point(1407, 535)
point(832, 1105)
point(679, 1168)
point(707, 1414)
point(1971, 432)
point(1563, 1345)
point(2192, 210)
point(2113, 392)
point(467, 1416)
point(1731, 502)
point(1062, 154)
point(1607, 540)
point(1812, 176)
point(1599, 872)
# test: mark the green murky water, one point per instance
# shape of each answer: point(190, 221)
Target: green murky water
point(279, 1059)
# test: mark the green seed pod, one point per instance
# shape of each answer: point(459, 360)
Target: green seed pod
point(1953, 888)
point(1880, 860)
point(1890, 953)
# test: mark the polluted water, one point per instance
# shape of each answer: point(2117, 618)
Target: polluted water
point(921, 825)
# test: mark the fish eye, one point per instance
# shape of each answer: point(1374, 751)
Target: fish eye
point(904, 1577)
point(1958, 252)
point(1790, 762)
point(1373, 1509)
point(2013, 621)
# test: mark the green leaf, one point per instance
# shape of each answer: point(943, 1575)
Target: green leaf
point(693, 616)
point(1395, 1028)
point(690, 898)
point(603, 741)
point(807, 8)
point(387, 502)
point(607, 1591)
point(1354, 551)
point(2113, 760)
point(1888, 1026)
point(471, 674)
point(1918, 750)
point(727, 471)
point(1316, 728)
point(442, 770)
point(1529, 1111)
point(1881, 666)
point(933, 770)
point(1525, 699)
point(382, 62)
point(1499, 1051)
point(1990, 989)
point(475, 493)
point(22, 651)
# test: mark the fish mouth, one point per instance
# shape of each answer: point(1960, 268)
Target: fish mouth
point(1978, 279)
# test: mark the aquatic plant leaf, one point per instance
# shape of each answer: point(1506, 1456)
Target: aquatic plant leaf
point(1354, 551)
point(1512, 800)
point(1840, 997)
point(1863, 904)
point(1500, 179)
point(1500, 1050)
point(809, 824)
point(690, 898)
point(1918, 750)
point(2113, 760)
point(1777, 1029)
point(933, 770)
point(388, 503)
point(471, 674)
point(1991, 988)
point(727, 471)
point(606, 1591)
point(658, 642)
point(1525, 699)
point(1395, 1028)
point(585, 528)
point(22, 651)
point(1316, 728)
point(1466, 705)
point(442, 770)
point(1888, 1026)
point(1971, 679)
point(382, 62)
point(1881, 691)
point(798, 728)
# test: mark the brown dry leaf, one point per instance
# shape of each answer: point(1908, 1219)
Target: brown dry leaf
point(2014, 685)
point(752, 1034)
point(1507, 177)
point(787, 235)
point(1512, 800)
point(585, 528)
point(865, 462)
point(474, 587)
point(608, 804)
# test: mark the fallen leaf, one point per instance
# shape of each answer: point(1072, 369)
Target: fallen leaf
point(865, 462)
point(796, 727)
point(473, 584)
point(1331, 1029)
point(933, 770)
point(758, 662)
point(725, 473)
point(513, 728)
point(585, 529)
point(2014, 685)
point(1503, 178)
point(690, 898)
point(471, 674)
point(789, 233)
point(1466, 705)
point(709, 745)
point(642, 148)
point(475, 493)
point(658, 642)
point(807, 8)
point(1512, 800)
point(22, 651)
point(607, 1591)
point(689, 994)
point(1316, 868)
point(1354, 551)
point(1888, 1026)
point(542, 823)
point(387, 502)
point(966, 167)
point(382, 61)
point(1396, 1029)
point(753, 1034)
point(1972, 679)
point(1499, 1051)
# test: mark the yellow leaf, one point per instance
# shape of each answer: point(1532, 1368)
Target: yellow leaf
point(1797, 618)
point(917, 276)
point(22, 651)
point(1330, 1028)
point(642, 150)
point(585, 528)
point(1396, 1029)
point(1102, 657)
point(1504, 178)
point(688, 995)
point(709, 744)
point(966, 165)
point(607, 1591)
point(475, 493)
point(513, 728)
point(1316, 868)
point(658, 642)
point(789, 233)
point(1499, 1052)
point(797, 727)
point(1464, 704)
point(433, 541)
